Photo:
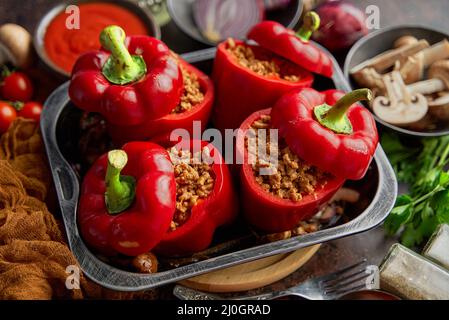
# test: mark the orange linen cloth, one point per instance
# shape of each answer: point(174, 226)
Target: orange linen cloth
point(33, 256)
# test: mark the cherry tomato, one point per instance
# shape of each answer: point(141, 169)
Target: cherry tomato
point(31, 110)
point(7, 116)
point(16, 86)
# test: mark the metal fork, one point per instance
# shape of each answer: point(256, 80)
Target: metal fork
point(327, 287)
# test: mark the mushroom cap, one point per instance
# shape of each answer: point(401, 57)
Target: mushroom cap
point(16, 43)
point(401, 114)
point(440, 70)
point(404, 41)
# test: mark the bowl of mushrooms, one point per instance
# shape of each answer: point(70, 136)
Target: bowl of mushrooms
point(407, 68)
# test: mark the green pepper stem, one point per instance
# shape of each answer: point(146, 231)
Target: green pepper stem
point(311, 23)
point(338, 111)
point(120, 190)
point(121, 67)
point(335, 118)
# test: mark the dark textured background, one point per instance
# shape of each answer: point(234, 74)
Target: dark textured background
point(433, 13)
point(372, 245)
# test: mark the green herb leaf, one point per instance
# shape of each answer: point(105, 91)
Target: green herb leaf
point(401, 214)
point(427, 205)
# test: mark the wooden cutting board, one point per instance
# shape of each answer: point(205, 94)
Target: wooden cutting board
point(252, 275)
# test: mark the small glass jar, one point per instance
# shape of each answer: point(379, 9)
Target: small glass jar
point(411, 276)
point(437, 249)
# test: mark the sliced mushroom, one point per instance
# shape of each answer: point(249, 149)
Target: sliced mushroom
point(438, 82)
point(428, 86)
point(399, 107)
point(370, 78)
point(15, 46)
point(438, 75)
point(388, 58)
point(412, 70)
point(404, 41)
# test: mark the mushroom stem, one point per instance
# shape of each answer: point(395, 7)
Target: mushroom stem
point(121, 67)
point(120, 190)
point(427, 86)
point(438, 79)
point(438, 51)
point(310, 24)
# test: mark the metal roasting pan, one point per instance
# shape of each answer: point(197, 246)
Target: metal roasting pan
point(57, 134)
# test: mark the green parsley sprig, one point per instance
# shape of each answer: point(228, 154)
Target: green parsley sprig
point(417, 214)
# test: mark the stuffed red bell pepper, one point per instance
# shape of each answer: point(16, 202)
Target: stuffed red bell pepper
point(311, 160)
point(328, 129)
point(249, 78)
point(140, 87)
point(127, 200)
point(195, 105)
point(205, 198)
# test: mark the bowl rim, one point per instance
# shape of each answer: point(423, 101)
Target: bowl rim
point(372, 35)
point(47, 18)
point(175, 17)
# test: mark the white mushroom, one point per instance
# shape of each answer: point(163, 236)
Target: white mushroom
point(404, 41)
point(368, 73)
point(399, 107)
point(412, 70)
point(387, 59)
point(369, 78)
point(438, 79)
point(15, 46)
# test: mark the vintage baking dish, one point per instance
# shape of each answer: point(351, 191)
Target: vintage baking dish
point(59, 128)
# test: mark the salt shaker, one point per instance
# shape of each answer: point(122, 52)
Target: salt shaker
point(437, 249)
point(412, 276)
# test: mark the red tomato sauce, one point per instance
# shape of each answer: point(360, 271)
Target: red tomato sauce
point(63, 46)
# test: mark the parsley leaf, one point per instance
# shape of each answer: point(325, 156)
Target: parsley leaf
point(416, 215)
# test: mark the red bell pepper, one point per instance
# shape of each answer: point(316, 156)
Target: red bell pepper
point(129, 213)
point(294, 46)
point(266, 211)
point(219, 208)
point(135, 85)
point(328, 129)
point(159, 130)
point(241, 91)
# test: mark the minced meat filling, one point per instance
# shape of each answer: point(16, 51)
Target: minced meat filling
point(293, 177)
point(194, 181)
point(191, 95)
point(304, 227)
point(265, 67)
